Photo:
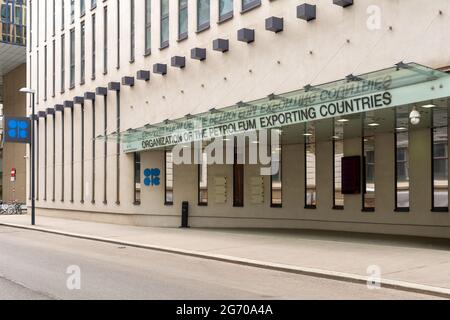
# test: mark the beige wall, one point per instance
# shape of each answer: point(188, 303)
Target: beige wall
point(336, 44)
point(13, 153)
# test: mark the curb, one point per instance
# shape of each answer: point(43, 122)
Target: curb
point(313, 272)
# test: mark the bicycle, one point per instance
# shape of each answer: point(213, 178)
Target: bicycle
point(11, 208)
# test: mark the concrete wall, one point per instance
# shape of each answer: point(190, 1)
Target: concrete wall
point(14, 154)
point(336, 44)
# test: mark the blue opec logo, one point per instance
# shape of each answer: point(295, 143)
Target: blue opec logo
point(152, 177)
point(17, 130)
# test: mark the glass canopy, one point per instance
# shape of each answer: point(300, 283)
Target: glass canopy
point(351, 95)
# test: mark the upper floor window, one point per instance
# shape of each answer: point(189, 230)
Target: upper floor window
point(203, 14)
point(82, 7)
point(72, 58)
point(72, 11)
point(148, 26)
point(132, 31)
point(164, 23)
point(63, 12)
point(250, 4)
point(182, 19)
point(225, 9)
point(93, 3)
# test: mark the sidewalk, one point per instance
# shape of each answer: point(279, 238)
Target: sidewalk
point(415, 264)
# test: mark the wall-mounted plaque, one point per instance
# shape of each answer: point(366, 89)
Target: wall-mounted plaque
point(220, 189)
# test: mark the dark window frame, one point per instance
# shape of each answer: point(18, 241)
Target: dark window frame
point(305, 167)
point(364, 208)
point(206, 25)
point(238, 182)
point(137, 178)
point(167, 203)
point(335, 206)
point(280, 160)
point(250, 6)
point(227, 16)
point(396, 207)
point(164, 43)
point(433, 127)
point(184, 35)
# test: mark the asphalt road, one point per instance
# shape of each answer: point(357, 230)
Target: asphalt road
point(34, 265)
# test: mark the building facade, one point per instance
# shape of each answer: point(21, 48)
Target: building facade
point(356, 91)
point(12, 78)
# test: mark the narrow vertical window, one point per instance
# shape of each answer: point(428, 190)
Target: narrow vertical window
point(63, 134)
point(105, 40)
point(368, 150)
point(38, 63)
point(203, 14)
point(37, 24)
point(45, 20)
point(93, 4)
point(168, 179)
point(53, 68)
point(105, 148)
point(82, 8)
point(338, 154)
point(38, 169)
point(276, 191)
point(30, 40)
point(401, 136)
point(53, 157)
point(83, 52)
point(132, 31)
point(45, 157)
point(63, 63)
point(45, 72)
point(72, 11)
point(250, 4)
point(72, 58)
point(137, 178)
point(53, 17)
point(94, 45)
point(118, 34)
point(310, 167)
point(440, 158)
point(63, 12)
point(225, 9)
point(238, 178)
point(203, 179)
point(93, 142)
point(164, 24)
point(82, 154)
point(182, 19)
point(72, 151)
point(148, 26)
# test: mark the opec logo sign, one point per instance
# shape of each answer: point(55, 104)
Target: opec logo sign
point(17, 129)
point(151, 177)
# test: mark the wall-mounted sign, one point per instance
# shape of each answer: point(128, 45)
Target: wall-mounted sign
point(17, 129)
point(374, 91)
point(151, 177)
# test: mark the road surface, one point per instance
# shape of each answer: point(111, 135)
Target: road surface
point(35, 265)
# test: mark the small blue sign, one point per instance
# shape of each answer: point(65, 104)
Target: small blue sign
point(151, 177)
point(17, 129)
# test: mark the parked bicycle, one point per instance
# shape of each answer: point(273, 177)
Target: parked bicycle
point(11, 208)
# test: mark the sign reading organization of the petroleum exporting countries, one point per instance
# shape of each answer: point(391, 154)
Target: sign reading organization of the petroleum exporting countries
point(304, 107)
